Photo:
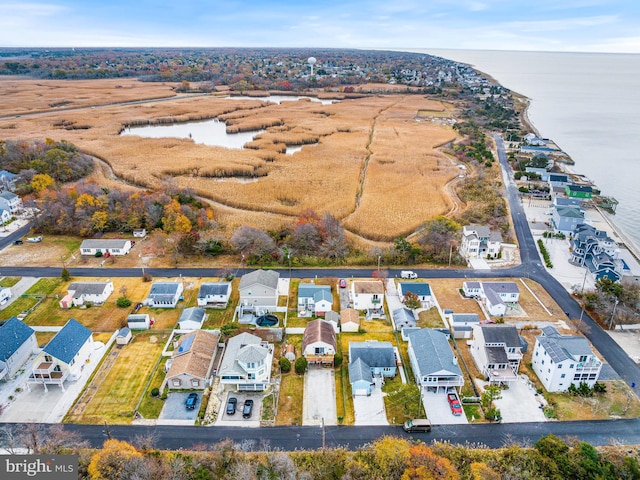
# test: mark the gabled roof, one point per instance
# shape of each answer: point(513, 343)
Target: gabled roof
point(8, 195)
point(507, 334)
point(87, 288)
point(192, 314)
point(432, 352)
point(465, 318)
point(138, 317)
point(104, 243)
point(319, 331)
point(213, 288)
point(563, 347)
point(13, 333)
point(359, 371)
point(324, 294)
point(234, 346)
point(164, 288)
point(481, 231)
point(349, 315)
point(309, 290)
point(472, 285)
point(404, 315)
point(124, 331)
point(501, 287)
point(569, 211)
point(419, 288)
point(368, 286)
point(374, 354)
point(267, 278)
point(194, 354)
point(68, 341)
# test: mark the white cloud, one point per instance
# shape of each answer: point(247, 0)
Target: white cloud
point(561, 24)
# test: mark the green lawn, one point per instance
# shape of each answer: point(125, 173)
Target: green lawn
point(8, 282)
point(150, 407)
point(43, 287)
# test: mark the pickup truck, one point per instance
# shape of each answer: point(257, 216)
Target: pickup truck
point(454, 403)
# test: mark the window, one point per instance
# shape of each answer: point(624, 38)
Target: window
point(48, 358)
point(319, 351)
point(562, 376)
point(583, 359)
point(559, 365)
point(491, 366)
point(571, 366)
point(542, 362)
point(251, 376)
point(195, 382)
point(176, 382)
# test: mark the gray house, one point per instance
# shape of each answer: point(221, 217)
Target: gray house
point(17, 343)
point(403, 318)
point(565, 219)
point(378, 357)
point(434, 364)
point(259, 291)
point(164, 294)
point(214, 294)
point(192, 318)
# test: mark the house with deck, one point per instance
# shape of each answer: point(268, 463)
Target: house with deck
point(379, 358)
point(421, 289)
point(434, 365)
point(565, 219)
point(81, 293)
point(497, 297)
point(314, 300)
point(368, 296)
point(17, 344)
point(497, 351)
point(319, 342)
point(479, 241)
point(597, 252)
point(562, 360)
point(246, 365)
point(191, 363)
point(259, 291)
point(403, 318)
point(64, 357)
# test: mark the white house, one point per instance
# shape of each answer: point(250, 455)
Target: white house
point(214, 294)
point(479, 241)
point(164, 294)
point(259, 291)
point(497, 352)
point(497, 297)
point(319, 342)
point(349, 320)
point(191, 364)
point(139, 232)
point(123, 336)
point(247, 363)
point(64, 357)
point(10, 201)
point(8, 180)
point(368, 295)
point(403, 318)
point(461, 324)
point(5, 216)
point(434, 364)
point(192, 318)
point(562, 360)
point(17, 343)
point(95, 293)
point(104, 245)
point(421, 289)
point(139, 321)
point(314, 300)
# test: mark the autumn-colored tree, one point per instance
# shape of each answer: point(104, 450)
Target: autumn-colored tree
point(411, 301)
point(392, 456)
point(173, 220)
point(41, 181)
point(482, 471)
point(424, 464)
point(117, 460)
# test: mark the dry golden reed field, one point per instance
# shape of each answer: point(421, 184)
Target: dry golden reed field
point(371, 161)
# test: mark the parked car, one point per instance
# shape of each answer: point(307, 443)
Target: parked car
point(417, 425)
point(343, 283)
point(231, 405)
point(18, 242)
point(408, 274)
point(454, 403)
point(192, 400)
point(34, 239)
point(248, 407)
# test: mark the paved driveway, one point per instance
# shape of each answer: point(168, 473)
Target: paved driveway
point(319, 397)
point(174, 411)
point(236, 420)
point(438, 410)
point(369, 410)
point(521, 403)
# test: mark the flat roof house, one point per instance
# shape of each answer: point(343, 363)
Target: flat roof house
point(17, 343)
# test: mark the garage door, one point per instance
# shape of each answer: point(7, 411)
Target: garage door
point(362, 391)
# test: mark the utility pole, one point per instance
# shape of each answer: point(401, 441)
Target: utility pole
point(322, 426)
point(613, 313)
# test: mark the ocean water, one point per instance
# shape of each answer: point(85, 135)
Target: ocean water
point(589, 104)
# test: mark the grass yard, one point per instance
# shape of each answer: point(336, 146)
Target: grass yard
point(618, 402)
point(533, 307)
point(44, 286)
point(290, 399)
point(8, 282)
point(150, 407)
point(42, 338)
point(430, 319)
point(402, 402)
point(446, 290)
point(118, 391)
point(344, 400)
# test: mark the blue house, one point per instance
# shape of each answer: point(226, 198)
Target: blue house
point(314, 300)
point(17, 343)
point(360, 378)
point(421, 289)
point(403, 318)
point(379, 357)
point(565, 219)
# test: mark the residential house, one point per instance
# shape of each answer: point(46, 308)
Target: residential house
point(139, 321)
point(559, 180)
point(579, 191)
point(5, 216)
point(432, 360)
point(461, 324)
point(596, 251)
point(368, 295)
point(10, 201)
point(139, 232)
point(214, 294)
point(95, 293)
point(497, 351)
point(532, 139)
point(421, 289)
point(105, 246)
point(479, 241)
point(259, 291)
point(349, 320)
point(192, 318)
point(123, 336)
point(380, 357)
point(247, 363)
point(5, 295)
point(8, 180)
point(542, 172)
point(191, 364)
point(319, 342)
point(164, 294)
point(566, 202)
point(496, 297)
point(565, 219)
point(314, 300)
point(64, 357)
point(360, 378)
point(403, 318)
point(17, 343)
point(562, 360)
point(333, 318)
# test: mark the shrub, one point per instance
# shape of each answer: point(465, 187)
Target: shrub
point(123, 302)
point(285, 365)
point(65, 275)
point(337, 360)
point(147, 277)
point(98, 254)
point(301, 365)
point(155, 392)
point(229, 328)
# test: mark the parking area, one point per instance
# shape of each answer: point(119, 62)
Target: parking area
point(175, 412)
point(319, 402)
point(520, 403)
point(369, 410)
point(237, 419)
point(438, 410)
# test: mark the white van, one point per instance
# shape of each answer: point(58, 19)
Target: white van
point(417, 425)
point(408, 274)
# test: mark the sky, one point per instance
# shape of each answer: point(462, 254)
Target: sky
point(538, 25)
